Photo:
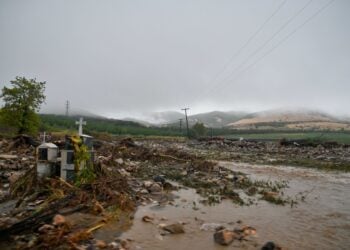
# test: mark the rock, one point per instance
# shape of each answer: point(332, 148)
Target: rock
point(124, 173)
point(155, 188)
point(176, 228)
point(168, 186)
point(159, 179)
point(124, 244)
point(230, 177)
point(271, 246)
point(211, 227)
point(147, 218)
point(59, 220)
point(144, 191)
point(224, 237)
point(184, 173)
point(100, 244)
point(247, 230)
point(119, 161)
point(113, 245)
point(147, 184)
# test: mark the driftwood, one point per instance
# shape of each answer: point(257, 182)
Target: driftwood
point(36, 220)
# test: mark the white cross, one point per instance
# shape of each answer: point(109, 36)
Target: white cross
point(43, 137)
point(80, 123)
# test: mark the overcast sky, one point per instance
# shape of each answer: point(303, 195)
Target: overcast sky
point(123, 58)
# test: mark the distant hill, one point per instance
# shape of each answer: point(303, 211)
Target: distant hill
point(217, 119)
point(157, 118)
point(290, 119)
point(214, 119)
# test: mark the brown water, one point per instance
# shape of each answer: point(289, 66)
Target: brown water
point(321, 222)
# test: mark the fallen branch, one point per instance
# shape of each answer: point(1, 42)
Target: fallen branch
point(173, 158)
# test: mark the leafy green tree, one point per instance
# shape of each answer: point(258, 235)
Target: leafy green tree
point(21, 103)
point(199, 130)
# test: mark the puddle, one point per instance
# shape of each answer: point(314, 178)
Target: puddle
point(321, 222)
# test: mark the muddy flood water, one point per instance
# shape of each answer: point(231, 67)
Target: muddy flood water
point(322, 221)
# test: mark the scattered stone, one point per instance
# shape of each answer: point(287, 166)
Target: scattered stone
point(271, 246)
point(144, 191)
point(230, 177)
point(100, 244)
point(113, 245)
point(147, 218)
point(168, 186)
point(162, 225)
point(159, 179)
point(123, 172)
point(176, 228)
point(59, 220)
point(224, 237)
point(155, 188)
point(125, 244)
point(247, 230)
point(211, 227)
point(147, 184)
point(119, 161)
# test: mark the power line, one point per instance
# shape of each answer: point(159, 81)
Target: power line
point(180, 120)
point(238, 52)
point(285, 38)
point(67, 108)
point(188, 130)
point(282, 27)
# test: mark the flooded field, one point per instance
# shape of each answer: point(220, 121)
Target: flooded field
point(144, 187)
point(320, 222)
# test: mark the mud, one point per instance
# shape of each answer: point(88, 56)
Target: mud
point(183, 184)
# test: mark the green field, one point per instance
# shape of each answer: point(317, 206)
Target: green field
point(100, 126)
point(339, 137)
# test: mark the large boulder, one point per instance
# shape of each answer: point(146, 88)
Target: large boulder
point(224, 237)
point(176, 228)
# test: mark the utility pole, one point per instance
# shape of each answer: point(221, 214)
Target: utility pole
point(188, 131)
point(67, 108)
point(180, 120)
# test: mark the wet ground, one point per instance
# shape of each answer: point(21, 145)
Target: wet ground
point(314, 214)
point(322, 221)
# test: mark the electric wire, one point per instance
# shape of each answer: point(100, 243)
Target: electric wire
point(290, 34)
point(238, 52)
point(280, 29)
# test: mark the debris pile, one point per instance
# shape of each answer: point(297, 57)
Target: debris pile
point(42, 212)
point(327, 155)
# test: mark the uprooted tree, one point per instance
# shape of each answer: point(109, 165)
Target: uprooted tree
point(21, 102)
